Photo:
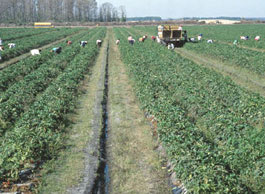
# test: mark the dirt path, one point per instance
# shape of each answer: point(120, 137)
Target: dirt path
point(23, 56)
point(75, 170)
point(134, 164)
point(240, 76)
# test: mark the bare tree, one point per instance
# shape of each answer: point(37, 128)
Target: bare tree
point(123, 16)
point(24, 11)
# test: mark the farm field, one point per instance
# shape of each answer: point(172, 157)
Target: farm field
point(211, 128)
point(36, 95)
point(27, 43)
point(244, 57)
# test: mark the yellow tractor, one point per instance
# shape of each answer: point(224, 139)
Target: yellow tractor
point(171, 34)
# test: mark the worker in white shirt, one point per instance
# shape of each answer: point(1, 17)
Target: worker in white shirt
point(11, 45)
point(1, 49)
point(118, 42)
point(99, 42)
point(35, 52)
point(257, 38)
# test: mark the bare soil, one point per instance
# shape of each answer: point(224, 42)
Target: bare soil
point(135, 165)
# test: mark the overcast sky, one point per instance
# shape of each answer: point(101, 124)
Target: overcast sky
point(190, 8)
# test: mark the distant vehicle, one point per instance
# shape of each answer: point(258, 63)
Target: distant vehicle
point(170, 34)
point(43, 25)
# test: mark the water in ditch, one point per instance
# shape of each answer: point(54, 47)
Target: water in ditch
point(101, 185)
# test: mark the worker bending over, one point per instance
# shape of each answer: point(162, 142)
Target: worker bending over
point(118, 42)
point(141, 39)
point(153, 38)
point(185, 35)
point(57, 50)
point(244, 37)
point(257, 38)
point(1, 42)
point(99, 42)
point(131, 40)
point(83, 43)
point(11, 45)
point(170, 46)
point(69, 42)
point(35, 52)
point(210, 41)
point(1, 49)
point(200, 37)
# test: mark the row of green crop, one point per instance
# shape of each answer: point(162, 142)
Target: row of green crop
point(6, 31)
point(26, 44)
point(39, 134)
point(229, 33)
point(19, 96)
point(17, 71)
point(9, 36)
point(252, 60)
point(213, 130)
point(249, 59)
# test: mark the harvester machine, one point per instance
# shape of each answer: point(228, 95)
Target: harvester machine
point(170, 34)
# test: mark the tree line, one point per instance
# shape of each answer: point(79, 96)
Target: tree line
point(25, 11)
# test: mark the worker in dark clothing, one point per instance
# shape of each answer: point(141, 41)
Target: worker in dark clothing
point(57, 50)
point(185, 35)
point(83, 43)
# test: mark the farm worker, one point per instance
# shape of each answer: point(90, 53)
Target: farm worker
point(57, 50)
point(153, 38)
point(130, 38)
point(118, 42)
point(99, 42)
point(11, 45)
point(199, 38)
point(132, 41)
point(1, 49)
point(210, 41)
point(180, 27)
point(83, 43)
point(69, 42)
point(257, 38)
point(185, 35)
point(191, 39)
point(35, 52)
point(158, 39)
point(247, 37)
point(170, 46)
point(141, 39)
point(144, 37)
point(1, 42)
point(242, 38)
point(235, 42)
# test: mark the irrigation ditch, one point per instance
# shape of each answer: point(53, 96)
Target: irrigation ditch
point(95, 178)
point(101, 185)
